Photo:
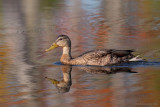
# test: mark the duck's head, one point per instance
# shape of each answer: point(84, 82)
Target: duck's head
point(62, 41)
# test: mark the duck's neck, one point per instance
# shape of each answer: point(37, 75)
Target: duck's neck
point(66, 56)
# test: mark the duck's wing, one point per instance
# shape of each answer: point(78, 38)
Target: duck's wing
point(90, 58)
point(104, 52)
point(121, 53)
point(103, 57)
point(96, 54)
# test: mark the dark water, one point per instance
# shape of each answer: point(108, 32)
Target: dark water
point(28, 27)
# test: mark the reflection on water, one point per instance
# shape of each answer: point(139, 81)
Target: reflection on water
point(107, 70)
point(63, 85)
point(28, 27)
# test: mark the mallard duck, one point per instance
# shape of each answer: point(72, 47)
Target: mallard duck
point(100, 57)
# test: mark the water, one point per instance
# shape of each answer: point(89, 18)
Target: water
point(28, 27)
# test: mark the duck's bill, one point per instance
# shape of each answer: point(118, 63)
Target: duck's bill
point(52, 47)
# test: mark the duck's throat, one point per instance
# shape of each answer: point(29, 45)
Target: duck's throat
point(66, 56)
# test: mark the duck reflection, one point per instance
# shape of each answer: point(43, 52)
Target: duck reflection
point(65, 84)
point(106, 70)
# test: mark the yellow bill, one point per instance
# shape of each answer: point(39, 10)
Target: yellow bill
point(52, 47)
point(55, 82)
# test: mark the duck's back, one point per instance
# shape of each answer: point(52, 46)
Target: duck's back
point(103, 57)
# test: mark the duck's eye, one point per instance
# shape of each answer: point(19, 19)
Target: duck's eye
point(60, 39)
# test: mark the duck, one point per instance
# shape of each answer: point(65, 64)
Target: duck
point(100, 57)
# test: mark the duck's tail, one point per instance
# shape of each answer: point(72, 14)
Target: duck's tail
point(136, 58)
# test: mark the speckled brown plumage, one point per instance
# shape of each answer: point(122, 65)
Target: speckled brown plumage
point(96, 57)
point(102, 57)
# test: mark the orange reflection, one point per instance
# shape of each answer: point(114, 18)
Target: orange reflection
point(4, 66)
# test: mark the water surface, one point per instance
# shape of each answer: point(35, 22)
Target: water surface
point(28, 27)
